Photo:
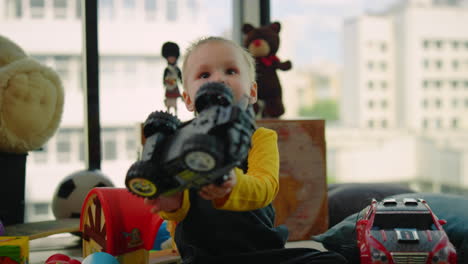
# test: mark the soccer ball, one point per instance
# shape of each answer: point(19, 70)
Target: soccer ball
point(71, 192)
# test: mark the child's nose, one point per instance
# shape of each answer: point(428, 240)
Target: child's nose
point(219, 77)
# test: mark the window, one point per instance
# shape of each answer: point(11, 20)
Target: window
point(454, 123)
point(426, 63)
point(383, 66)
point(129, 9)
point(370, 123)
point(370, 104)
point(426, 44)
point(78, 8)
point(40, 155)
point(63, 147)
point(110, 149)
point(383, 47)
point(425, 123)
point(438, 64)
point(106, 9)
point(131, 144)
point(384, 85)
point(466, 102)
point(438, 84)
point(455, 64)
point(62, 66)
point(60, 8)
point(439, 44)
point(384, 123)
point(454, 84)
point(439, 123)
point(370, 84)
point(455, 45)
point(384, 104)
point(150, 9)
point(454, 103)
point(13, 9)
point(425, 103)
point(438, 103)
point(37, 8)
point(425, 83)
point(41, 208)
point(171, 10)
point(370, 65)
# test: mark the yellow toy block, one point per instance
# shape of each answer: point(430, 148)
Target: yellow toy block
point(14, 250)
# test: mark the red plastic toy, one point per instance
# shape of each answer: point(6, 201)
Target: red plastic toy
point(403, 231)
point(117, 222)
point(61, 259)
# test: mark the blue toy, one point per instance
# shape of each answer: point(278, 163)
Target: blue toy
point(100, 258)
point(162, 236)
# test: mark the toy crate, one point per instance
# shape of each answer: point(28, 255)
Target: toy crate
point(14, 249)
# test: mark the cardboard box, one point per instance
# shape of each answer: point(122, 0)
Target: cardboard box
point(14, 249)
point(302, 201)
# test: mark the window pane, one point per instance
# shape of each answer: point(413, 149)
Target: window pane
point(385, 80)
point(53, 42)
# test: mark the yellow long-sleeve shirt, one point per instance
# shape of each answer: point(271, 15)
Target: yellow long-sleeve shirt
point(255, 189)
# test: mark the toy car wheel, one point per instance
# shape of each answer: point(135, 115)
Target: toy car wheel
point(162, 122)
point(203, 153)
point(138, 180)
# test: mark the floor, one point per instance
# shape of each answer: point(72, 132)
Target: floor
point(41, 249)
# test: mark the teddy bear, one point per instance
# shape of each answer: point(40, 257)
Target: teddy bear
point(31, 100)
point(263, 43)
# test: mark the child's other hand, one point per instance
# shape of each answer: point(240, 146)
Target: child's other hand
point(213, 191)
point(165, 203)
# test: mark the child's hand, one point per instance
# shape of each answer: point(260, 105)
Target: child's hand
point(213, 191)
point(165, 203)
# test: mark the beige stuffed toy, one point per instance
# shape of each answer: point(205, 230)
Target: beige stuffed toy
point(31, 100)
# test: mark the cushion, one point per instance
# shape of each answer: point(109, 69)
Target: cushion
point(341, 238)
point(347, 199)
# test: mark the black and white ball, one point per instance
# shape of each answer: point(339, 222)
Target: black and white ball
point(72, 190)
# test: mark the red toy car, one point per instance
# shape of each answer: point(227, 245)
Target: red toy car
point(403, 231)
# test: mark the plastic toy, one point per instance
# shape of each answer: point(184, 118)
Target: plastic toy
point(14, 250)
point(100, 258)
point(178, 156)
point(172, 75)
point(117, 222)
point(61, 259)
point(403, 231)
point(72, 190)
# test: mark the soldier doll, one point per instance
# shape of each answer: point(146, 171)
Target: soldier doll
point(172, 74)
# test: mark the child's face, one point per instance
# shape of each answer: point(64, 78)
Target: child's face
point(217, 61)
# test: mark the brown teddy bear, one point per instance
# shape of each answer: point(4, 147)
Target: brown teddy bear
point(263, 43)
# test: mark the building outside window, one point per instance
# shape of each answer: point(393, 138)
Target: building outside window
point(63, 145)
point(60, 8)
point(171, 10)
point(37, 8)
point(40, 155)
point(150, 10)
point(106, 9)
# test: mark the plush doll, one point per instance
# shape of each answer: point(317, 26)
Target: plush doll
point(31, 100)
point(172, 74)
point(263, 43)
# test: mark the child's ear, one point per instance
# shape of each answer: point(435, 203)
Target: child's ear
point(188, 101)
point(253, 93)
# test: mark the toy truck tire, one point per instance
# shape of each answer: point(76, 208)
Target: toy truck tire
point(140, 184)
point(162, 122)
point(203, 153)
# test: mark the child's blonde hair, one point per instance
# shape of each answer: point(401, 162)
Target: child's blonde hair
point(249, 60)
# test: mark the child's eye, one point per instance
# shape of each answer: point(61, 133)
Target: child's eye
point(231, 71)
point(204, 75)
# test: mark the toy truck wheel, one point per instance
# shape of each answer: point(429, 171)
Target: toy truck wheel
point(162, 122)
point(139, 181)
point(203, 153)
